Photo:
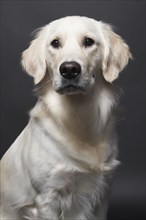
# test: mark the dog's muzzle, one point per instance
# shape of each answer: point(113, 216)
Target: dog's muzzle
point(70, 73)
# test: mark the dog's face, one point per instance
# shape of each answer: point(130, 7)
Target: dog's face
point(73, 54)
point(75, 51)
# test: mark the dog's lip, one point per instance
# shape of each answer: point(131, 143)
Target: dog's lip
point(70, 89)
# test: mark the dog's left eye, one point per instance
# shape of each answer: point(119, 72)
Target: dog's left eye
point(88, 42)
point(55, 43)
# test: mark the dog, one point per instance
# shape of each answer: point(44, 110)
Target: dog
point(62, 164)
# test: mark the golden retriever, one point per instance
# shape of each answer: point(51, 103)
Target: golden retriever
point(61, 165)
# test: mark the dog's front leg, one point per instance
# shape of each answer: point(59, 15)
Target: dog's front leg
point(9, 213)
point(48, 206)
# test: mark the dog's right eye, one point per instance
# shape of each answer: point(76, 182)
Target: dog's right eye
point(88, 42)
point(55, 43)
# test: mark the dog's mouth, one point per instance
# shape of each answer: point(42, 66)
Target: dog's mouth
point(70, 89)
point(74, 86)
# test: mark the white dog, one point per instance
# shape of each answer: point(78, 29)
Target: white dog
point(61, 165)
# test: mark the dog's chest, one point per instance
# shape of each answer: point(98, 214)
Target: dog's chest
point(70, 195)
point(63, 187)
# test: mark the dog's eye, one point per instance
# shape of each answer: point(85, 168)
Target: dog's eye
point(88, 42)
point(55, 43)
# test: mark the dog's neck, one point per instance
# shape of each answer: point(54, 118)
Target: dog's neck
point(83, 116)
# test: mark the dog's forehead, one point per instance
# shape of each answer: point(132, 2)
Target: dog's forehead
point(75, 24)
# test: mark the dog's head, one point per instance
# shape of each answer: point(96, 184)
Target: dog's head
point(75, 51)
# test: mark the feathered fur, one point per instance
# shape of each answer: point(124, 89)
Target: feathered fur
point(61, 166)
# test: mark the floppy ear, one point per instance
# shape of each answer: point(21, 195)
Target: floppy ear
point(117, 56)
point(33, 58)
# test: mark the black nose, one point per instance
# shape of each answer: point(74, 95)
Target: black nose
point(70, 70)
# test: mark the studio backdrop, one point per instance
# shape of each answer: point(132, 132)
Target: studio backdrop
point(18, 20)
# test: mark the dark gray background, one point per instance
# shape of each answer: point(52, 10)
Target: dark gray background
point(18, 20)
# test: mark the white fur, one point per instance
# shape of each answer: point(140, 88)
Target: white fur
point(61, 165)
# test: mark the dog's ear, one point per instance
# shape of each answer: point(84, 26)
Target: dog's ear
point(117, 54)
point(33, 58)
